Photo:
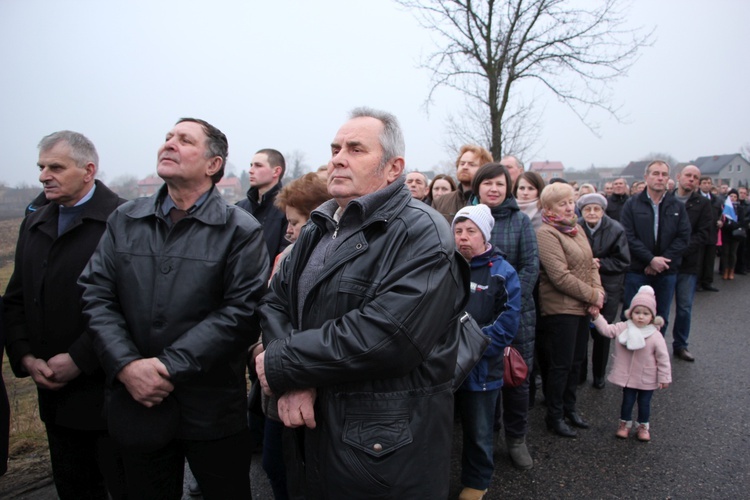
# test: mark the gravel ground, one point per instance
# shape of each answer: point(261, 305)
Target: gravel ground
point(700, 427)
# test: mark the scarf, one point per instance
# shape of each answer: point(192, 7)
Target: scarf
point(567, 226)
point(634, 338)
point(530, 208)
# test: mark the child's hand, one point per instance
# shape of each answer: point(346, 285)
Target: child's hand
point(593, 312)
point(663, 386)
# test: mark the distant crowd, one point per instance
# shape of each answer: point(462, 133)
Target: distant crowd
point(348, 297)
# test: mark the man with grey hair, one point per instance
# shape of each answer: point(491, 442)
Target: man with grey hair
point(418, 184)
point(46, 333)
point(170, 296)
point(514, 167)
point(359, 327)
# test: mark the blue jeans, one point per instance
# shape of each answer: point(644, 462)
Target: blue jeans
point(628, 401)
point(663, 285)
point(684, 293)
point(477, 411)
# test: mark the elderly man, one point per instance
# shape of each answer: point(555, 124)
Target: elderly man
point(617, 199)
point(700, 216)
point(45, 326)
point(418, 184)
point(359, 329)
point(514, 166)
point(470, 158)
point(658, 231)
point(170, 295)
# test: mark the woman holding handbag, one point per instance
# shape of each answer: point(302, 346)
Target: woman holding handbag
point(495, 303)
point(732, 232)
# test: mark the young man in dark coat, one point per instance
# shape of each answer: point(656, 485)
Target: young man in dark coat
point(46, 336)
point(266, 171)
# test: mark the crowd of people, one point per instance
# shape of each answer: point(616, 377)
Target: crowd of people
point(342, 296)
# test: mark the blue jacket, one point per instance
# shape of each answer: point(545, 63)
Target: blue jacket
point(674, 231)
point(495, 304)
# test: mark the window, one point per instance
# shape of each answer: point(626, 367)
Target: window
point(730, 168)
point(739, 168)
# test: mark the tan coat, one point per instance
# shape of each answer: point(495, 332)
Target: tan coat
point(568, 278)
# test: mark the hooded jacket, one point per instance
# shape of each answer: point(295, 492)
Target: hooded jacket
point(495, 304)
point(272, 220)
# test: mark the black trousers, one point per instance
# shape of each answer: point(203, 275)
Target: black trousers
point(564, 341)
point(221, 467)
point(707, 260)
point(85, 464)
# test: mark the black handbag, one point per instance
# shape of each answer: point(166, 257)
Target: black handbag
point(739, 233)
point(472, 343)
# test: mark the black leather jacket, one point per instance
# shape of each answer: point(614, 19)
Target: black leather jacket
point(377, 343)
point(186, 295)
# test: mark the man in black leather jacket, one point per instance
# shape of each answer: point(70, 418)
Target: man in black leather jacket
point(359, 329)
point(170, 295)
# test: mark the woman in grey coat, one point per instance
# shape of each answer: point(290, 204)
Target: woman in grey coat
point(610, 247)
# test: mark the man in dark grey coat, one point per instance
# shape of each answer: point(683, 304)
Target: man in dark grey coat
point(359, 329)
point(170, 296)
point(45, 326)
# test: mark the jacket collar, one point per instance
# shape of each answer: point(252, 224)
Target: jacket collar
point(96, 209)
point(268, 197)
point(379, 205)
point(211, 212)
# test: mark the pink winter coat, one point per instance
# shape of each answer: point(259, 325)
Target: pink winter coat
point(643, 368)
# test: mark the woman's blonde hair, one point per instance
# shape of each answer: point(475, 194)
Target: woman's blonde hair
point(555, 192)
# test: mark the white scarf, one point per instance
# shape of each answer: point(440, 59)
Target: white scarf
point(634, 338)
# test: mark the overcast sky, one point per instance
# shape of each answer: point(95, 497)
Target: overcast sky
point(284, 74)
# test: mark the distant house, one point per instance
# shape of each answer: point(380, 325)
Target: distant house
point(732, 169)
point(149, 185)
point(230, 189)
point(547, 169)
point(635, 170)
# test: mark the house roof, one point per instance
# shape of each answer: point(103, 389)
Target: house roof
point(538, 166)
point(151, 180)
point(229, 182)
point(713, 164)
point(635, 169)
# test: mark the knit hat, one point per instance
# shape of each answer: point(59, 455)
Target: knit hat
point(479, 215)
point(595, 198)
point(646, 298)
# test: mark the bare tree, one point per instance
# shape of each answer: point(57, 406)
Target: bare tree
point(745, 151)
point(126, 186)
point(486, 48)
point(295, 165)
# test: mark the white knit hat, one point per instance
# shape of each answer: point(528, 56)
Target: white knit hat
point(479, 215)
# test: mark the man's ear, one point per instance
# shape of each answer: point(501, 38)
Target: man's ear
point(90, 169)
point(213, 166)
point(277, 172)
point(394, 169)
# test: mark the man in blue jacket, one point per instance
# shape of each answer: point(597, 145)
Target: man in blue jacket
point(658, 232)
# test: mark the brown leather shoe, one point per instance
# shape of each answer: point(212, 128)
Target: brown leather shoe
point(684, 355)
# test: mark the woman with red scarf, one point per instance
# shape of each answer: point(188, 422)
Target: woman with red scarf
point(569, 290)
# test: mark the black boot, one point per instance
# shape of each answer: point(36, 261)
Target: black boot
point(560, 428)
point(598, 383)
point(576, 420)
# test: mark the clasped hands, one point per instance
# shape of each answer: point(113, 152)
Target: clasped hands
point(296, 407)
point(147, 381)
point(52, 374)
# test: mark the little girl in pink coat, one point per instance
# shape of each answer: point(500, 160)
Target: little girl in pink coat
point(641, 360)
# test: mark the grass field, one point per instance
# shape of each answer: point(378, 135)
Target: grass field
point(29, 456)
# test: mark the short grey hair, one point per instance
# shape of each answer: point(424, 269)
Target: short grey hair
point(391, 139)
point(82, 150)
point(655, 162)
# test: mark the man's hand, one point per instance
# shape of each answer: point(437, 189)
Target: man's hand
point(41, 373)
point(296, 408)
point(147, 380)
point(660, 264)
point(64, 368)
point(260, 370)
